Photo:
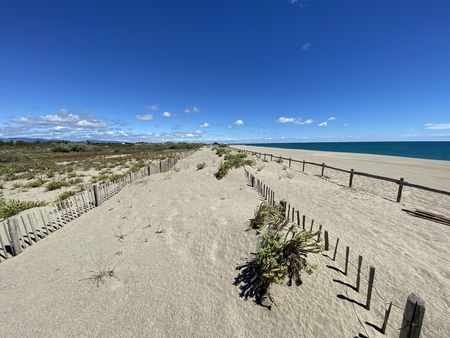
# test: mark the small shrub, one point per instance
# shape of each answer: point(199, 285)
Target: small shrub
point(201, 166)
point(232, 161)
point(10, 208)
point(34, 184)
point(55, 185)
point(65, 195)
point(272, 216)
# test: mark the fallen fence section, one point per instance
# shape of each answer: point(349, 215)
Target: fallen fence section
point(21, 231)
point(415, 307)
point(400, 182)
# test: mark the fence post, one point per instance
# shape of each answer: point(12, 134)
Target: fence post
point(412, 317)
point(14, 235)
point(370, 286)
point(347, 253)
point(323, 168)
point(97, 197)
point(303, 168)
point(358, 273)
point(400, 189)
point(350, 182)
point(290, 160)
point(264, 157)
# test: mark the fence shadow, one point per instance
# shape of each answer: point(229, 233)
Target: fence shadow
point(351, 300)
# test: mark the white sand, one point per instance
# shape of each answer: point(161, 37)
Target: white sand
point(179, 283)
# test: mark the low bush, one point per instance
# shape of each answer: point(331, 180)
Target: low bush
point(39, 182)
point(55, 185)
point(65, 195)
point(10, 208)
point(232, 161)
point(272, 216)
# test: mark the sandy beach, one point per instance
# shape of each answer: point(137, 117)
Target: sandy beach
point(174, 241)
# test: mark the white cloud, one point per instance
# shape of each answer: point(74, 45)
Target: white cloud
point(286, 120)
point(293, 120)
point(236, 124)
point(306, 46)
point(146, 117)
point(192, 110)
point(167, 114)
point(323, 124)
point(153, 107)
point(437, 126)
point(332, 118)
point(204, 125)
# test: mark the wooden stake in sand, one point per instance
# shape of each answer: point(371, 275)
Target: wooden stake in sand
point(400, 189)
point(97, 197)
point(347, 253)
point(350, 182)
point(387, 312)
point(323, 168)
point(298, 217)
point(303, 168)
point(358, 273)
point(303, 221)
point(335, 249)
point(412, 317)
point(327, 243)
point(14, 235)
point(370, 286)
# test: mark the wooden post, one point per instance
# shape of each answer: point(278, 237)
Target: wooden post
point(312, 225)
point(271, 157)
point(14, 235)
point(350, 182)
point(288, 211)
point(298, 217)
point(303, 221)
point(370, 286)
point(335, 249)
point(347, 253)
point(327, 243)
point(264, 157)
point(26, 230)
point(97, 197)
point(36, 238)
point(303, 168)
point(323, 168)
point(290, 160)
point(358, 273)
point(400, 189)
point(319, 233)
point(387, 312)
point(412, 317)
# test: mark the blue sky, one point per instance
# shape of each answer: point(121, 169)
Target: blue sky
point(244, 71)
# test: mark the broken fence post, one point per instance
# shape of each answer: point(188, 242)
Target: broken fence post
point(412, 317)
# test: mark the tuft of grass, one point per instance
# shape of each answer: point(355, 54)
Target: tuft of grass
point(201, 165)
point(39, 182)
point(65, 195)
point(102, 272)
point(279, 257)
point(10, 208)
point(177, 169)
point(272, 216)
point(55, 185)
point(232, 161)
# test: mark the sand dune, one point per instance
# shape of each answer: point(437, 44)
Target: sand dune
point(175, 240)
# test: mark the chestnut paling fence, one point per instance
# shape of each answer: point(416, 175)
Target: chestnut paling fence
point(352, 173)
point(21, 231)
point(413, 311)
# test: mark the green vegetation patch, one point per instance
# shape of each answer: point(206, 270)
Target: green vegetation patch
point(233, 161)
point(55, 185)
point(272, 216)
point(10, 208)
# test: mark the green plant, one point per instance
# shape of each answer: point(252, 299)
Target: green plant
point(10, 208)
point(280, 256)
point(232, 161)
point(54, 185)
point(65, 195)
point(201, 165)
point(272, 216)
point(34, 184)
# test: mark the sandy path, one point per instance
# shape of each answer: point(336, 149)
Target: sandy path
point(177, 283)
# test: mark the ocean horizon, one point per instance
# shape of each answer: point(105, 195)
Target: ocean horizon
point(431, 150)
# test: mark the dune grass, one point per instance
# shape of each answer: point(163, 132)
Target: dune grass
point(10, 208)
point(232, 161)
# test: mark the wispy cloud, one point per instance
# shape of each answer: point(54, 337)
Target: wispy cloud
point(236, 124)
point(167, 114)
point(204, 125)
point(323, 124)
point(294, 120)
point(145, 117)
point(437, 126)
point(306, 46)
point(192, 110)
point(153, 107)
point(332, 118)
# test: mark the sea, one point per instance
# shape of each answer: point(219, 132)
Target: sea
point(433, 150)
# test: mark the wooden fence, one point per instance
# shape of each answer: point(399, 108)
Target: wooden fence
point(23, 230)
point(352, 173)
point(414, 309)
